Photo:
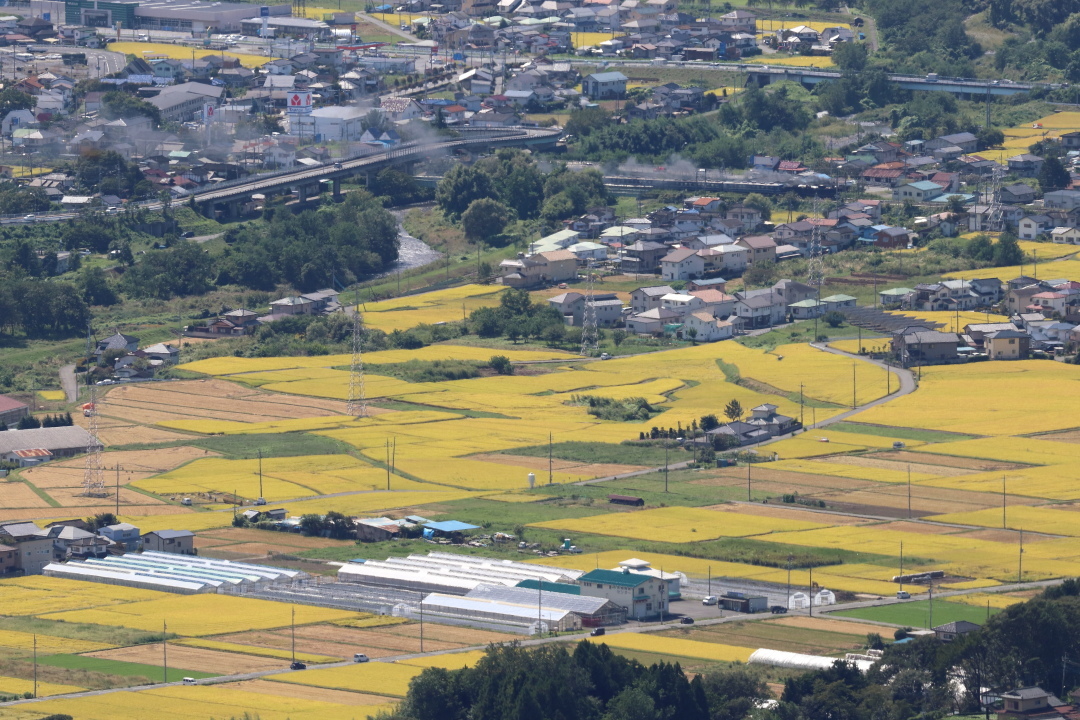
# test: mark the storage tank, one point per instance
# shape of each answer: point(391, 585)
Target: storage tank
point(532, 480)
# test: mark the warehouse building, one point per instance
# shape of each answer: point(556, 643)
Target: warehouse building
point(12, 411)
point(168, 572)
point(280, 27)
point(448, 573)
point(642, 596)
point(480, 610)
point(59, 441)
point(199, 18)
point(592, 611)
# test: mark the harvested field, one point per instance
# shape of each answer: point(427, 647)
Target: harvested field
point(828, 624)
point(132, 434)
point(134, 464)
point(68, 496)
point(19, 495)
point(973, 464)
point(888, 464)
point(305, 692)
point(451, 633)
point(790, 513)
point(795, 480)
point(249, 535)
point(764, 634)
point(81, 511)
point(922, 528)
point(1069, 436)
point(1007, 536)
point(381, 638)
point(211, 661)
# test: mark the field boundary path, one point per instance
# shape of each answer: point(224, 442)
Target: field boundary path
point(67, 381)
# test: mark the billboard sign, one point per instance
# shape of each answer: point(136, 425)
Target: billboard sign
point(299, 102)
point(264, 11)
point(209, 113)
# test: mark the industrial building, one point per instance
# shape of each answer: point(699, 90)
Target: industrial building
point(592, 611)
point(643, 596)
point(198, 18)
point(169, 572)
point(279, 27)
point(59, 441)
point(448, 573)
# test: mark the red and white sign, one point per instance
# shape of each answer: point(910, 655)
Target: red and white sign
point(299, 102)
point(208, 113)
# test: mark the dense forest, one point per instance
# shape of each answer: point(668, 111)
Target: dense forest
point(1023, 645)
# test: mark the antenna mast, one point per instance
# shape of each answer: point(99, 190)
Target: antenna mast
point(590, 337)
point(93, 474)
point(357, 406)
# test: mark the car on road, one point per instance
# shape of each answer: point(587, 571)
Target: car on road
point(337, 166)
point(687, 621)
point(187, 234)
point(189, 681)
point(903, 595)
point(29, 218)
point(605, 356)
point(778, 609)
point(360, 657)
point(597, 632)
point(106, 381)
point(297, 665)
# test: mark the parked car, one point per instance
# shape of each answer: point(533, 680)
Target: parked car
point(711, 600)
point(597, 632)
point(187, 234)
point(778, 609)
point(687, 621)
point(903, 595)
point(297, 665)
point(360, 657)
point(189, 681)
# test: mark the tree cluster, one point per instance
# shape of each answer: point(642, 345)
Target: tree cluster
point(345, 243)
point(618, 409)
point(30, 422)
point(40, 308)
point(591, 683)
point(174, 272)
point(516, 317)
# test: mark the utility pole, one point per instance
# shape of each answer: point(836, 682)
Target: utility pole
point(909, 491)
point(748, 464)
point(709, 592)
point(853, 391)
point(421, 622)
point(811, 591)
point(665, 465)
point(117, 513)
point(901, 566)
point(293, 626)
point(388, 463)
point(787, 601)
point(802, 407)
point(539, 606)
point(35, 667)
point(551, 475)
point(1003, 501)
point(260, 475)
point(1020, 573)
point(931, 620)
point(165, 650)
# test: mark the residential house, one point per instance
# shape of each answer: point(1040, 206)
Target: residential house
point(1066, 235)
point(1032, 226)
point(117, 341)
point(1028, 702)
point(682, 264)
point(765, 417)
point(951, 631)
point(33, 547)
point(729, 260)
point(922, 191)
point(604, 86)
point(761, 308)
point(652, 322)
point(642, 596)
point(397, 109)
point(681, 303)
point(1008, 345)
point(918, 345)
point(838, 302)
point(642, 258)
point(719, 303)
point(1025, 164)
point(965, 141)
point(1062, 199)
point(124, 534)
point(1017, 194)
point(749, 217)
point(759, 248)
point(806, 309)
point(705, 327)
point(292, 305)
point(181, 542)
point(649, 298)
point(891, 237)
point(1049, 302)
point(793, 291)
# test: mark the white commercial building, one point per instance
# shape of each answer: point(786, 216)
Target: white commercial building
point(336, 123)
point(448, 573)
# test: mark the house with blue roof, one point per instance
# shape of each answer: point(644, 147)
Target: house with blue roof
point(922, 191)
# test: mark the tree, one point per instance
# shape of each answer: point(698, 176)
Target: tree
point(460, 187)
point(692, 334)
point(850, 56)
point(733, 410)
point(710, 422)
point(760, 203)
point(761, 273)
point(118, 104)
point(833, 318)
point(618, 336)
point(1007, 251)
point(12, 99)
point(101, 520)
point(1053, 175)
point(484, 219)
point(501, 364)
point(631, 704)
point(312, 524)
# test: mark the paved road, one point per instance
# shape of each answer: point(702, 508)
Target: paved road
point(69, 383)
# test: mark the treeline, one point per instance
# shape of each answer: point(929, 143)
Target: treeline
point(40, 308)
point(590, 683)
point(920, 36)
point(982, 248)
point(518, 317)
point(340, 244)
point(508, 186)
point(30, 422)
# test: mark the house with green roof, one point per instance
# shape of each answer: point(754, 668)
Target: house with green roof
point(643, 596)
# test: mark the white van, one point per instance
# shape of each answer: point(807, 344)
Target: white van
point(189, 681)
point(710, 600)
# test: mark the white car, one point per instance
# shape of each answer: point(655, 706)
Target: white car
point(710, 600)
point(30, 218)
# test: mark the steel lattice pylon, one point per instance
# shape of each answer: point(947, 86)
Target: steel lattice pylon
point(815, 267)
point(93, 473)
point(590, 336)
point(357, 406)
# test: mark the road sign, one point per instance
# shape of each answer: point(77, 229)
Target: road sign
point(209, 111)
point(264, 11)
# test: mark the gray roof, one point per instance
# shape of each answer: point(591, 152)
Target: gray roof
point(960, 626)
point(20, 529)
point(54, 438)
point(1028, 693)
point(658, 291)
point(930, 337)
point(171, 534)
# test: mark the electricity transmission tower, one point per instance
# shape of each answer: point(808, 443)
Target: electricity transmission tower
point(93, 473)
point(357, 406)
point(590, 337)
point(815, 266)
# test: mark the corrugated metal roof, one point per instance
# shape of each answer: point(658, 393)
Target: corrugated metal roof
point(580, 604)
point(437, 602)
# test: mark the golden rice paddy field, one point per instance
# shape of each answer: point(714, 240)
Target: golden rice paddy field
point(1018, 139)
point(448, 305)
point(179, 52)
point(696, 649)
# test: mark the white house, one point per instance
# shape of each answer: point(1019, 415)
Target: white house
point(1066, 235)
point(682, 264)
point(682, 304)
point(604, 86)
point(334, 123)
point(706, 327)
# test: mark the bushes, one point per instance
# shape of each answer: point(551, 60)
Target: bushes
point(626, 410)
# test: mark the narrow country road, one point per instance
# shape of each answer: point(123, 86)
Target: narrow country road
point(68, 383)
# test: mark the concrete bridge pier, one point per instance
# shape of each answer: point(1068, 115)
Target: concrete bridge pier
point(233, 210)
point(337, 188)
point(206, 209)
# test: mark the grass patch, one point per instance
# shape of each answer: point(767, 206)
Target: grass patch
point(734, 376)
point(119, 667)
point(917, 614)
point(604, 453)
point(41, 494)
point(123, 637)
point(407, 406)
point(245, 447)
point(902, 433)
point(774, 636)
point(424, 371)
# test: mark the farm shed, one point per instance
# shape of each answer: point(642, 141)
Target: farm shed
point(449, 573)
point(738, 602)
point(502, 613)
point(447, 527)
point(626, 500)
point(592, 611)
point(169, 572)
point(60, 441)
